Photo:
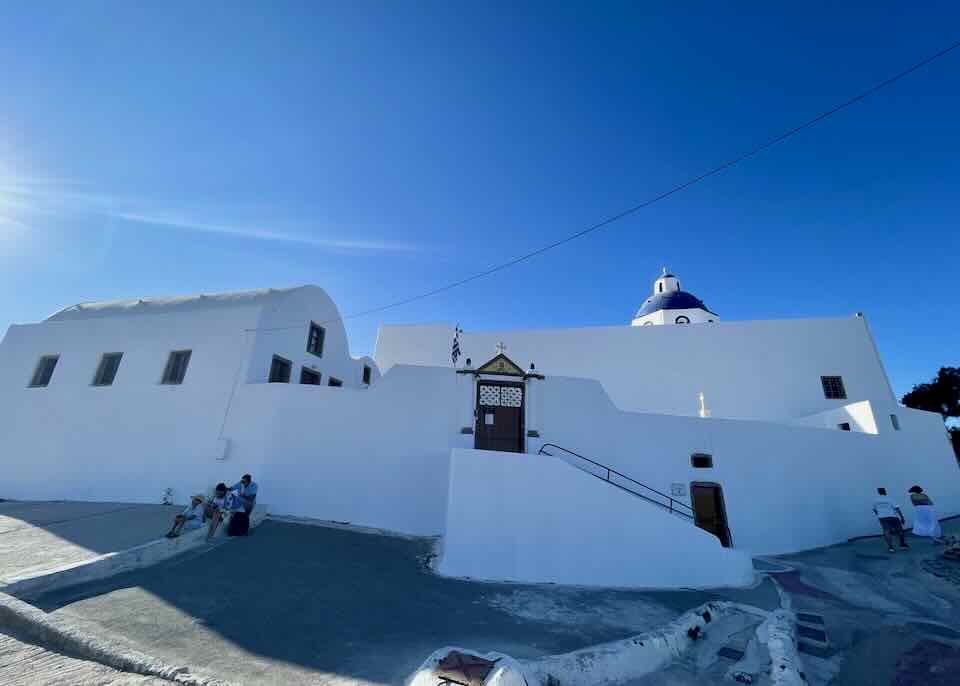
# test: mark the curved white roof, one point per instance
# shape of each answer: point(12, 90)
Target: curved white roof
point(112, 308)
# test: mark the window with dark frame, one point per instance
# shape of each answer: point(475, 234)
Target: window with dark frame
point(334, 382)
point(280, 370)
point(366, 374)
point(176, 368)
point(315, 339)
point(682, 319)
point(44, 371)
point(309, 377)
point(107, 369)
point(701, 461)
point(833, 388)
point(844, 426)
point(895, 421)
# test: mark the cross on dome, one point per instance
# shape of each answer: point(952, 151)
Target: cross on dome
point(501, 348)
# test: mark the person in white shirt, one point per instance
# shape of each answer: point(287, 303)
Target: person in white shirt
point(891, 519)
point(191, 518)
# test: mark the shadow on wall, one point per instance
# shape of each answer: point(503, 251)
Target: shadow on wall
point(314, 599)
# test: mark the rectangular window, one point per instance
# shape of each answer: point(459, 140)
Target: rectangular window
point(366, 375)
point(895, 420)
point(44, 370)
point(176, 368)
point(315, 339)
point(701, 461)
point(833, 388)
point(334, 382)
point(107, 370)
point(844, 426)
point(280, 370)
point(309, 377)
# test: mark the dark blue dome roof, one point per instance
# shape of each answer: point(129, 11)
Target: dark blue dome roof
point(674, 300)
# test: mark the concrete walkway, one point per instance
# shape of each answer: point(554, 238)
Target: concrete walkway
point(36, 536)
point(299, 604)
point(886, 618)
point(22, 662)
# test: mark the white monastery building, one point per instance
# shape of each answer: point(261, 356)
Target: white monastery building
point(664, 453)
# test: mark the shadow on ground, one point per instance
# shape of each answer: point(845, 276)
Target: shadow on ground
point(298, 604)
point(36, 536)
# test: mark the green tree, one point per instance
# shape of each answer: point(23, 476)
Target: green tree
point(941, 394)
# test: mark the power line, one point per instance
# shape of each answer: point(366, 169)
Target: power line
point(666, 194)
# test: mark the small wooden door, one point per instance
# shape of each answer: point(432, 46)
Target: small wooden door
point(709, 512)
point(499, 416)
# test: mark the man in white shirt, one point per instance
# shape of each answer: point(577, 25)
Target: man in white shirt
point(191, 518)
point(891, 519)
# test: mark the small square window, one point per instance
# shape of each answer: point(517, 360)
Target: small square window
point(315, 339)
point(309, 377)
point(895, 421)
point(844, 426)
point(334, 382)
point(107, 369)
point(701, 461)
point(280, 370)
point(44, 370)
point(366, 374)
point(833, 388)
point(176, 368)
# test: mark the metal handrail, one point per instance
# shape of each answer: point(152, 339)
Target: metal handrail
point(672, 505)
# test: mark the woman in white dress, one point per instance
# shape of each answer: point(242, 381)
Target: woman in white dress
point(925, 522)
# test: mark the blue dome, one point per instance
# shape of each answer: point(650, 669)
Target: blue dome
point(674, 300)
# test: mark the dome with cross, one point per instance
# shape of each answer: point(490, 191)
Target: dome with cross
point(669, 304)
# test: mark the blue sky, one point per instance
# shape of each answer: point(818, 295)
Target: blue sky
point(380, 149)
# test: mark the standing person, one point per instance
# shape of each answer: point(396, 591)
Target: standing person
point(246, 488)
point(191, 517)
point(925, 522)
point(891, 519)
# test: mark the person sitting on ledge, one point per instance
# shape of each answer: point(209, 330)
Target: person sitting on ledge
point(190, 519)
point(214, 507)
point(246, 488)
point(226, 503)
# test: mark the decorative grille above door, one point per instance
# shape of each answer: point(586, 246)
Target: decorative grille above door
point(511, 396)
point(501, 396)
point(489, 395)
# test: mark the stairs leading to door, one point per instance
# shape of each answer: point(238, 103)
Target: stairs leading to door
point(621, 481)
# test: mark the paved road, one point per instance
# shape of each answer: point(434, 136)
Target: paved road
point(297, 604)
point(890, 620)
point(35, 536)
point(25, 663)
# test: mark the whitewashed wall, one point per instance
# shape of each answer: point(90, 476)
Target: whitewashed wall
point(282, 329)
point(787, 488)
point(534, 518)
point(377, 457)
point(128, 441)
point(860, 416)
point(752, 370)
point(132, 440)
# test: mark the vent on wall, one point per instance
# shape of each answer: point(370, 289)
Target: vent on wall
point(701, 460)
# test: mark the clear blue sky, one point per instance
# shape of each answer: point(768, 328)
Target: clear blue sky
point(379, 149)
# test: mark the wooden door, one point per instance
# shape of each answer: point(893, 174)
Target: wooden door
point(499, 417)
point(709, 512)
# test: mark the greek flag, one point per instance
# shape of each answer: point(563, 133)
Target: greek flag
point(455, 352)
